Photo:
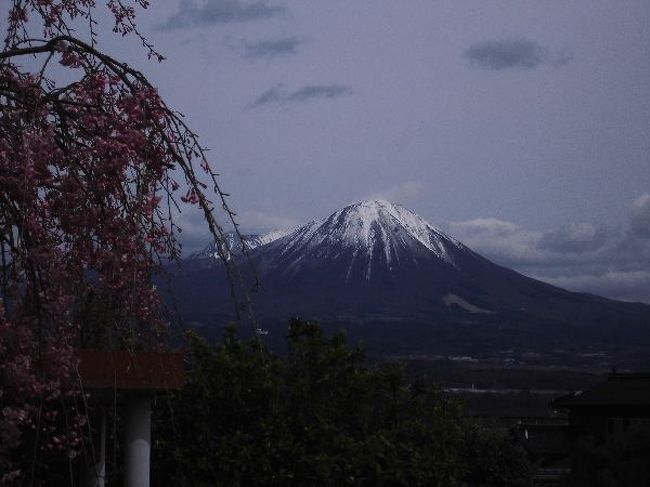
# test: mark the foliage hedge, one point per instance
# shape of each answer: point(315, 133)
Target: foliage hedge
point(318, 415)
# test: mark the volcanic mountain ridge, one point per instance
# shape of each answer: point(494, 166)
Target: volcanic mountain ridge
point(386, 275)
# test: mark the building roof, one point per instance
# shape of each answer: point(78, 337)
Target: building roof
point(135, 371)
point(617, 390)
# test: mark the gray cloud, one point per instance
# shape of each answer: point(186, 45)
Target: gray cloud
point(613, 262)
point(575, 237)
point(285, 46)
point(262, 221)
point(640, 216)
point(211, 12)
point(622, 285)
point(502, 241)
point(306, 93)
point(195, 235)
point(485, 228)
point(518, 53)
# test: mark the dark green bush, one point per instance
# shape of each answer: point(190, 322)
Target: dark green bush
point(318, 416)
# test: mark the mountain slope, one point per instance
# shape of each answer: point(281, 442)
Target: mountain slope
point(376, 266)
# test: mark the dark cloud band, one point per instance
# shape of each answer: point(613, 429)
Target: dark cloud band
point(214, 12)
point(285, 46)
point(306, 93)
point(512, 54)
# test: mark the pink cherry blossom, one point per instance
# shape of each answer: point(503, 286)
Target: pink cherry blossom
point(87, 170)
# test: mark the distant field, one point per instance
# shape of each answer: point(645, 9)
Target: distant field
point(500, 390)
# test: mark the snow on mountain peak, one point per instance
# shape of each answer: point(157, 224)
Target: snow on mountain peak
point(361, 222)
point(259, 240)
point(368, 227)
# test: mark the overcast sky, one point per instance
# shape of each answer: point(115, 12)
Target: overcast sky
point(521, 127)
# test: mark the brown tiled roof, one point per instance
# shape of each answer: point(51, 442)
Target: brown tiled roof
point(124, 370)
point(617, 390)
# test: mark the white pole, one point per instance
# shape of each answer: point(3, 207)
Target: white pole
point(138, 440)
point(95, 475)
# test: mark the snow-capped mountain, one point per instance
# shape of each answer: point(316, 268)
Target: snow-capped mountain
point(369, 225)
point(379, 267)
point(375, 232)
point(234, 244)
